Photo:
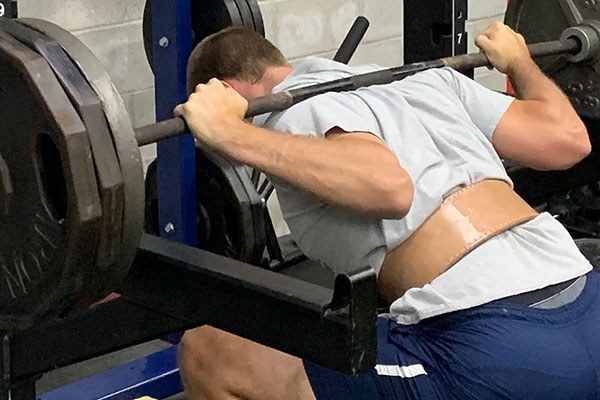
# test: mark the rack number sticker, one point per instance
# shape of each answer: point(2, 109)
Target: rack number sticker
point(8, 9)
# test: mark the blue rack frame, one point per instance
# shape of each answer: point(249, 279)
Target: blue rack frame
point(156, 376)
point(172, 40)
point(176, 173)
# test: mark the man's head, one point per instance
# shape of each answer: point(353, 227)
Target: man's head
point(240, 57)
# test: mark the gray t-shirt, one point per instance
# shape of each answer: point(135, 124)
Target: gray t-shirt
point(439, 124)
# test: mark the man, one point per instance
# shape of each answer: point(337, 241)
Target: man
point(489, 300)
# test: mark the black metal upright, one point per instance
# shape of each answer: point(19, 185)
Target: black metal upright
point(8, 8)
point(435, 29)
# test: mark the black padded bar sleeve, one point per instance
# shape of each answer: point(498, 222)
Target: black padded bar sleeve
point(352, 40)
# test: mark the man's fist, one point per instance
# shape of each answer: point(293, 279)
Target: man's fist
point(211, 109)
point(503, 46)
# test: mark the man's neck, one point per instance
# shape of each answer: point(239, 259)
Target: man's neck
point(275, 75)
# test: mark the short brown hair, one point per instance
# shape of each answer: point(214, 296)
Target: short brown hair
point(233, 53)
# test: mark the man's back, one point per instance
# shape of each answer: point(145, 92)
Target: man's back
point(437, 132)
point(439, 124)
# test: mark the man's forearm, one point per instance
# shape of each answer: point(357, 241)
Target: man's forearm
point(360, 175)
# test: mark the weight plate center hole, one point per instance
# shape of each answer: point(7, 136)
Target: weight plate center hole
point(52, 176)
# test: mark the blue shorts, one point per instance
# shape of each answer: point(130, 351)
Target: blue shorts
point(497, 351)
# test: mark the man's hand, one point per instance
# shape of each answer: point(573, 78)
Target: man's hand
point(504, 47)
point(210, 110)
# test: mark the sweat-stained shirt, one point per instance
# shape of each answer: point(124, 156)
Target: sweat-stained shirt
point(439, 124)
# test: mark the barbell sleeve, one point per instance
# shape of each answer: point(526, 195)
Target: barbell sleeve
point(283, 100)
point(156, 132)
point(543, 49)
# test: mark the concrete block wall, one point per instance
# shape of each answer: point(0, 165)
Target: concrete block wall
point(302, 28)
point(113, 30)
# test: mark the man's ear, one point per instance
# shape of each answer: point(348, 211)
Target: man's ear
point(226, 84)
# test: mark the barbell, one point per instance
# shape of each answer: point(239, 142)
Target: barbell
point(572, 45)
point(71, 179)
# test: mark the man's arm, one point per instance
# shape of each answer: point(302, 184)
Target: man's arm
point(356, 171)
point(541, 130)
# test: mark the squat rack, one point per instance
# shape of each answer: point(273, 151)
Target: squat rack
point(174, 286)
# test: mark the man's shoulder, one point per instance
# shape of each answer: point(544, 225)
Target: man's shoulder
point(311, 109)
point(444, 74)
point(315, 70)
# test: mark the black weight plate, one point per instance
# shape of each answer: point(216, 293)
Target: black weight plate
point(259, 24)
point(245, 13)
point(233, 17)
point(545, 20)
point(236, 211)
point(590, 248)
point(108, 172)
point(208, 17)
point(120, 125)
point(578, 211)
point(50, 228)
point(230, 211)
